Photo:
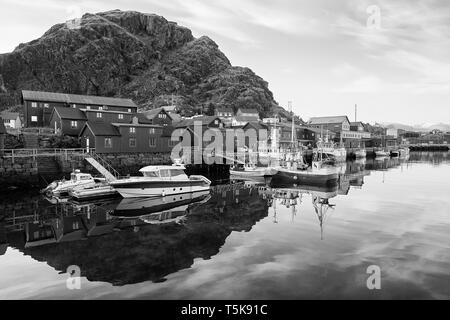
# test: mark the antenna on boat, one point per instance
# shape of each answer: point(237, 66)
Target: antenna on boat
point(292, 120)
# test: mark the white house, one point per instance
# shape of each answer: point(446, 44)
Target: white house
point(11, 119)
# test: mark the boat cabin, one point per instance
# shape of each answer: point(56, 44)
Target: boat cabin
point(164, 172)
point(78, 176)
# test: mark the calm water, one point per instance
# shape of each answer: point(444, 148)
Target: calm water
point(243, 241)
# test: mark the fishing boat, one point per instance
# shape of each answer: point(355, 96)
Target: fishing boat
point(161, 181)
point(77, 180)
point(298, 172)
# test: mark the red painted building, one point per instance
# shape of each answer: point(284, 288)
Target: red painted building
point(38, 106)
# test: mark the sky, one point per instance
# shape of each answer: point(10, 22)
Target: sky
point(391, 58)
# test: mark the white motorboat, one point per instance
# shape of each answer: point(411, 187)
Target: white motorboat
point(160, 181)
point(360, 153)
point(404, 152)
point(77, 180)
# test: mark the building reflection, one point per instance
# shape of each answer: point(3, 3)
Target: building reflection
point(125, 243)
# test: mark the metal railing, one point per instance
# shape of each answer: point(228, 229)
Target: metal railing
point(34, 153)
point(105, 164)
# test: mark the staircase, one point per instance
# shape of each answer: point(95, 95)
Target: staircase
point(102, 166)
point(31, 141)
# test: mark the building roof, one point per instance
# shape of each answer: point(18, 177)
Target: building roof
point(175, 117)
point(151, 114)
point(76, 98)
point(206, 120)
point(142, 119)
point(6, 115)
point(102, 129)
point(357, 123)
point(249, 111)
point(170, 108)
point(2, 127)
point(224, 109)
point(246, 118)
point(326, 120)
point(257, 125)
point(69, 113)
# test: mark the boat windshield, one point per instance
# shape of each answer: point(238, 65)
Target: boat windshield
point(177, 172)
point(152, 174)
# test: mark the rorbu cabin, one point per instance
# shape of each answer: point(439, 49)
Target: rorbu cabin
point(38, 105)
point(67, 121)
point(159, 116)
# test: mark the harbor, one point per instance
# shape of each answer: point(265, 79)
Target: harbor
point(240, 226)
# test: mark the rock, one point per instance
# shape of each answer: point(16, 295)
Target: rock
point(135, 55)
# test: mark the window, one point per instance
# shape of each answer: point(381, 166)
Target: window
point(132, 130)
point(73, 124)
point(74, 105)
point(46, 105)
point(34, 104)
point(216, 122)
point(152, 142)
point(129, 110)
point(108, 143)
point(152, 131)
point(99, 114)
point(105, 107)
point(33, 118)
point(100, 108)
point(88, 107)
point(132, 142)
point(120, 116)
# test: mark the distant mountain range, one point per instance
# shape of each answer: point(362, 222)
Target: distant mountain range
point(419, 127)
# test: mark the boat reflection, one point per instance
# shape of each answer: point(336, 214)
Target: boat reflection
point(162, 206)
point(132, 248)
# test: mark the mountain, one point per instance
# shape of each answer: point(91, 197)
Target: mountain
point(133, 55)
point(419, 127)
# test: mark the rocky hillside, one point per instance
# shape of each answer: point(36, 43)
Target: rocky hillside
point(134, 55)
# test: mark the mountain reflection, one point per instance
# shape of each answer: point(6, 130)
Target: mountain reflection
point(113, 242)
point(127, 241)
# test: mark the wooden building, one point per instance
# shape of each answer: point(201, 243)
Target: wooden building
point(2, 134)
point(335, 124)
point(67, 121)
point(38, 106)
point(11, 119)
point(159, 116)
point(126, 137)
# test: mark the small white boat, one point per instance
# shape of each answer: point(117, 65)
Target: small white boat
point(249, 171)
point(99, 191)
point(382, 153)
point(404, 152)
point(339, 153)
point(360, 153)
point(160, 181)
point(77, 180)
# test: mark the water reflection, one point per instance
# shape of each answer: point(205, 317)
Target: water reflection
point(130, 241)
point(124, 242)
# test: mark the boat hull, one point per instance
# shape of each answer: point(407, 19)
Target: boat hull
point(260, 172)
point(306, 177)
point(138, 189)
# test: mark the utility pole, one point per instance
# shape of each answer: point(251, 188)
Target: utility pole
point(356, 112)
point(292, 114)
